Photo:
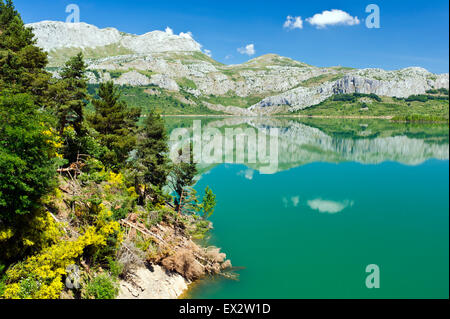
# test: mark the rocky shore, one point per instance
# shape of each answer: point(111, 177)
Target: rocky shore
point(166, 272)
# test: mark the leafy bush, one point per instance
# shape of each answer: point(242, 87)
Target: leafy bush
point(102, 287)
point(115, 267)
point(354, 96)
point(27, 156)
point(115, 74)
point(424, 98)
point(344, 98)
point(443, 91)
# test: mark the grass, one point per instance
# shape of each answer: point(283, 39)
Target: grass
point(315, 81)
point(274, 59)
point(147, 73)
point(164, 102)
point(190, 58)
point(186, 83)
point(234, 100)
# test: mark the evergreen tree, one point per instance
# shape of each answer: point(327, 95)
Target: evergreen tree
point(208, 203)
point(115, 123)
point(183, 172)
point(22, 63)
point(71, 94)
point(153, 164)
point(190, 204)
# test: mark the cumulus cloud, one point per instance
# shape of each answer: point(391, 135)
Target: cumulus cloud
point(248, 49)
point(248, 173)
point(169, 31)
point(294, 201)
point(187, 35)
point(293, 23)
point(328, 206)
point(333, 17)
point(229, 56)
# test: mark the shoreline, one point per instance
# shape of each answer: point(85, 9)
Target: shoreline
point(347, 117)
point(362, 117)
point(153, 282)
point(178, 264)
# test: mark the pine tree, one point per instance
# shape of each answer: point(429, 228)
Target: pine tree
point(190, 204)
point(71, 94)
point(152, 153)
point(116, 124)
point(22, 63)
point(183, 172)
point(208, 203)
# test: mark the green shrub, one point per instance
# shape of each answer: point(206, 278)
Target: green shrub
point(102, 287)
point(115, 267)
point(115, 74)
point(344, 98)
point(424, 98)
point(443, 91)
point(28, 287)
point(354, 96)
point(27, 156)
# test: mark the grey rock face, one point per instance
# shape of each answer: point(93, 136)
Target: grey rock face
point(133, 78)
point(164, 82)
point(53, 35)
point(402, 83)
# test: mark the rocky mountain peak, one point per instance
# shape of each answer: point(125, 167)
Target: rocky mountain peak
point(54, 35)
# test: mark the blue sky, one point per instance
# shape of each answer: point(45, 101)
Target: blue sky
point(412, 33)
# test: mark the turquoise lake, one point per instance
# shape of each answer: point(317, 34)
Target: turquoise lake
point(347, 194)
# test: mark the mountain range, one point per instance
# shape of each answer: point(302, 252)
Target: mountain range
point(177, 66)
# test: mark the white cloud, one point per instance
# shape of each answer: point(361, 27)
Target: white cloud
point(248, 173)
point(229, 56)
point(328, 206)
point(187, 35)
point(248, 49)
point(293, 23)
point(207, 52)
point(333, 17)
point(293, 201)
point(169, 31)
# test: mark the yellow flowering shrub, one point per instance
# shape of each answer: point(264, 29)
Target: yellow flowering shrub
point(32, 234)
point(6, 234)
point(54, 140)
point(47, 268)
point(132, 193)
point(115, 180)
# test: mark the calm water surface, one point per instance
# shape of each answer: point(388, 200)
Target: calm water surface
point(347, 194)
